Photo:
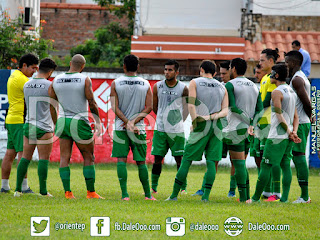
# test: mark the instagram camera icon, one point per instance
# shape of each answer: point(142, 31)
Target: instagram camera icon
point(175, 226)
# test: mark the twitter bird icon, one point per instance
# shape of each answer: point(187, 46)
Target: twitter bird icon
point(40, 226)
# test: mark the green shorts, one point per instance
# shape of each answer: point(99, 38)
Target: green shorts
point(243, 146)
point(203, 140)
point(80, 129)
point(36, 133)
point(303, 132)
point(264, 131)
point(224, 150)
point(276, 152)
point(15, 136)
point(163, 141)
point(254, 146)
point(122, 143)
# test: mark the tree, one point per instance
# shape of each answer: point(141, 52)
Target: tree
point(14, 42)
point(113, 41)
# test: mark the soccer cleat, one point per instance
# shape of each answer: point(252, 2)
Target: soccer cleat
point(17, 194)
point(28, 191)
point(172, 199)
point(250, 201)
point(204, 200)
point(125, 199)
point(47, 195)
point(231, 194)
point(183, 192)
point(5, 191)
point(265, 195)
point(301, 200)
point(198, 193)
point(153, 191)
point(93, 195)
point(69, 195)
point(150, 198)
point(273, 198)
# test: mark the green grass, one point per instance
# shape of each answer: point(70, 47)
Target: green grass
point(15, 213)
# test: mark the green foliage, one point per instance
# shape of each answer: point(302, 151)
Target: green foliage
point(111, 46)
point(14, 42)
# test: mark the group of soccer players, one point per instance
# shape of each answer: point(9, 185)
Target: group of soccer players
point(233, 115)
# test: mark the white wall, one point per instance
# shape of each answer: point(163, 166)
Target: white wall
point(12, 6)
point(285, 7)
point(189, 17)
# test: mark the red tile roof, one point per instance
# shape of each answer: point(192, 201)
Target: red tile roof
point(71, 6)
point(310, 41)
point(187, 47)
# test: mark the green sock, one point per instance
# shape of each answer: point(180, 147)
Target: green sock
point(264, 175)
point(65, 178)
point(122, 176)
point(203, 182)
point(21, 172)
point(184, 185)
point(276, 176)
point(156, 171)
point(247, 185)
point(241, 176)
point(89, 174)
point(302, 174)
point(180, 177)
point(144, 179)
point(43, 175)
point(210, 176)
point(268, 187)
point(233, 183)
point(286, 180)
point(258, 170)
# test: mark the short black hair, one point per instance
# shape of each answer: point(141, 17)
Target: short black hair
point(208, 66)
point(131, 62)
point(240, 65)
point(296, 56)
point(28, 59)
point(47, 65)
point(173, 62)
point(225, 64)
point(282, 71)
point(258, 66)
point(270, 53)
point(296, 42)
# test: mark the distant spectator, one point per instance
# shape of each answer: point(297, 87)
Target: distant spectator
point(306, 64)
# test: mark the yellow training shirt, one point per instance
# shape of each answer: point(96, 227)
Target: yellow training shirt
point(265, 87)
point(16, 97)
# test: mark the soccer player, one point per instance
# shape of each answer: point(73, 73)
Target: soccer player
point(73, 90)
point(283, 127)
point(306, 63)
point(259, 73)
point(38, 126)
point(268, 58)
point(225, 77)
point(208, 102)
point(245, 104)
point(131, 100)
point(301, 85)
point(28, 65)
point(170, 105)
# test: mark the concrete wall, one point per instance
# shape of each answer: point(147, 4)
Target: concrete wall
point(189, 17)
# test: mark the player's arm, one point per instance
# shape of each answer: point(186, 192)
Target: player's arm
point(115, 104)
point(232, 100)
point(185, 95)
point(147, 109)
point(192, 100)
point(92, 104)
point(298, 85)
point(277, 99)
point(155, 99)
point(293, 135)
point(53, 107)
point(224, 108)
point(267, 100)
point(259, 109)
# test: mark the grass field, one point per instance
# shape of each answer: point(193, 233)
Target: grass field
point(15, 213)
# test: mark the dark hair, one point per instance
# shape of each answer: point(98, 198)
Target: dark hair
point(270, 53)
point(296, 57)
point(240, 65)
point(258, 66)
point(131, 62)
point(225, 64)
point(47, 65)
point(28, 59)
point(208, 66)
point(173, 62)
point(296, 42)
point(282, 71)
